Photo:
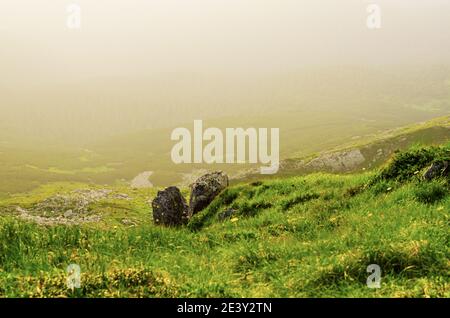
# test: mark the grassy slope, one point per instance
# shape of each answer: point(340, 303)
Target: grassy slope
point(300, 236)
point(433, 132)
point(123, 158)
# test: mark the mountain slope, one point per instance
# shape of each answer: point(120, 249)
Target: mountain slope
point(311, 236)
point(366, 153)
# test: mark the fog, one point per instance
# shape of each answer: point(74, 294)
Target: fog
point(143, 64)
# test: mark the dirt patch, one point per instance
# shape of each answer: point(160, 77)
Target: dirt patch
point(142, 181)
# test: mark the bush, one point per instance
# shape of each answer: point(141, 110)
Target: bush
point(409, 165)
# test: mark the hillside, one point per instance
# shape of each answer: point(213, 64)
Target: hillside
point(122, 158)
point(363, 153)
point(303, 236)
point(224, 149)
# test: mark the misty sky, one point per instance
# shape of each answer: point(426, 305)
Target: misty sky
point(122, 43)
point(134, 38)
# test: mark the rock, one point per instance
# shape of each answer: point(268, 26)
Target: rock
point(122, 196)
point(189, 178)
point(128, 222)
point(205, 189)
point(66, 209)
point(169, 207)
point(338, 162)
point(91, 194)
point(21, 210)
point(437, 169)
point(56, 220)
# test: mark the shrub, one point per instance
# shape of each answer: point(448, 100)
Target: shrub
point(406, 166)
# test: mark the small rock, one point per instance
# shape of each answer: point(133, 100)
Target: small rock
point(128, 222)
point(437, 169)
point(338, 161)
point(169, 207)
point(205, 189)
point(122, 196)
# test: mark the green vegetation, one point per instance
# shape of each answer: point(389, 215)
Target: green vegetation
point(124, 157)
point(407, 165)
point(311, 236)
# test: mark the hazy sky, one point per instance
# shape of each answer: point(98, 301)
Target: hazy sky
point(136, 38)
point(131, 62)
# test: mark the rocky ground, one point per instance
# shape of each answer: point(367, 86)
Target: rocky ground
point(68, 209)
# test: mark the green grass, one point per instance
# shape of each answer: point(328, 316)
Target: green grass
point(310, 236)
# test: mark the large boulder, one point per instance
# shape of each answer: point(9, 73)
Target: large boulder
point(169, 207)
point(205, 189)
point(437, 169)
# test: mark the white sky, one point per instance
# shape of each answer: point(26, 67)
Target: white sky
point(136, 38)
point(138, 64)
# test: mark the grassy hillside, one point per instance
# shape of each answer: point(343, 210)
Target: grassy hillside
point(374, 149)
point(120, 159)
point(303, 236)
point(89, 133)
